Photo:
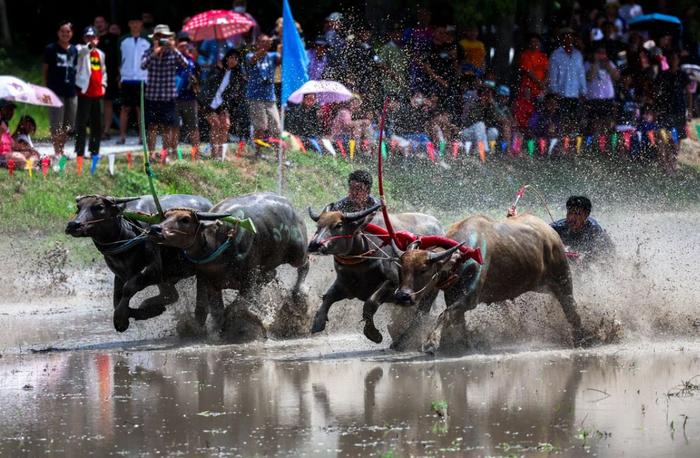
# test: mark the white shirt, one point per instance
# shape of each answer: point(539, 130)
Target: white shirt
point(218, 97)
point(132, 53)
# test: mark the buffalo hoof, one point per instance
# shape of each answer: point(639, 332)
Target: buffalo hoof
point(243, 326)
point(319, 324)
point(121, 319)
point(372, 333)
point(583, 338)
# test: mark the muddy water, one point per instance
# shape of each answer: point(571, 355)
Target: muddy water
point(337, 397)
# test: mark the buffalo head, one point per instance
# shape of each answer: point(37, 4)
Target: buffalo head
point(181, 226)
point(95, 213)
point(335, 230)
point(420, 271)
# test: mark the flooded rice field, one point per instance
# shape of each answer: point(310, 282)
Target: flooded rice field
point(71, 386)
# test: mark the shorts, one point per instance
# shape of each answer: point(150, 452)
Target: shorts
point(161, 112)
point(62, 119)
point(131, 94)
point(187, 112)
point(264, 116)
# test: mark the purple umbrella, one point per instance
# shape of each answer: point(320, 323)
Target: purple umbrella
point(326, 91)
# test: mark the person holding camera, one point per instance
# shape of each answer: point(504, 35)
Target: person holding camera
point(162, 62)
point(91, 81)
point(260, 92)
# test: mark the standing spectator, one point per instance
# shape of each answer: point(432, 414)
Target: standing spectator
point(248, 38)
point(601, 76)
point(148, 22)
point(318, 58)
point(392, 61)
point(132, 75)
point(361, 69)
point(302, 119)
point(260, 93)
point(533, 80)
point(109, 45)
point(673, 106)
point(346, 125)
point(91, 80)
point(567, 79)
point(222, 102)
point(59, 76)
point(334, 36)
point(187, 89)
point(474, 51)
point(162, 62)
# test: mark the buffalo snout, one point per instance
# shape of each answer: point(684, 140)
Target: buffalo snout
point(156, 230)
point(72, 227)
point(315, 247)
point(403, 297)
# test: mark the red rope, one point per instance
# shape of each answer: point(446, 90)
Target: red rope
point(380, 173)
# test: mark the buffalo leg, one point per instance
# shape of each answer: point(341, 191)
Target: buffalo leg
point(118, 293)
point(302, 271)
point(370, 308)
point(201, 308)
point(242, 325)
point(422, 310)
point(450, 332)
point(122, 312)
point(563, 292)
point(155, 306)
point(216, 306)
point(333, 295)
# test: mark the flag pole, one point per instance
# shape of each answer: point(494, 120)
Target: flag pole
point(146, 160)
point(280, 151)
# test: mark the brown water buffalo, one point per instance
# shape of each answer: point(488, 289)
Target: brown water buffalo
point(520, 254)
point(364, 269)
point(135, 261)
point(230, 257)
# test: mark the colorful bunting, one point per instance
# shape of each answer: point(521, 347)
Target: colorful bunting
point(110, 160)
point(62, 164)
point(482, 151)
point(455, 150)
point(652, 139)
point(431, 150)
point(543, 144)
point(93, 166)
point(130, 160)
point(566, 143)
point(531, 147)
point(29, 165)
point(11, 167)
point(602, 142)
point(79, 164)
point(341, 148)
point(579, 140)
point(179, 153)
point(45, 162)
point(627, 139)
point(351, 146)
point(441, 150)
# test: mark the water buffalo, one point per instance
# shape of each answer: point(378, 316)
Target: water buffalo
point(520, 254)
point(135, 261)
point(230, 257)
point(363, 269)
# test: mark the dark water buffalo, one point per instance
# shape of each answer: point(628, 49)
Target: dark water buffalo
point(520, 254)
point(358, 275)
point(229, 257)
point(135, 261)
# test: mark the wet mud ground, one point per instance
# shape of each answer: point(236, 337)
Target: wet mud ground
point(71, 386)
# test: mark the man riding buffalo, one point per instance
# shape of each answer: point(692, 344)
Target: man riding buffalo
point(363, 260)
point(135, 261)
point(228, 256)
point(582, 234)
point(519, 254)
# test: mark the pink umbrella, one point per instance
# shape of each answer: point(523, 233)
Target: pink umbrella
point(15, 89)
point(218, 25)
point(326, 92)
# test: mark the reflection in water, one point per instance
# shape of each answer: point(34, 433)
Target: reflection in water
point(295, 400)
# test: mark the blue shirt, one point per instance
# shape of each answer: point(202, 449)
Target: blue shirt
point(591, 241)
point(567, 76)
point(261, 77)
point(183, 81)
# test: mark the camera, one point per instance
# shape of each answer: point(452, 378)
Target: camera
point(163, 41)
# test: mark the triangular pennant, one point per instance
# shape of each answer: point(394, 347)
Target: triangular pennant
point(79, 164)
point(341, 148)
point(29, 166)
point(328, 145)
point(531, 147)
point(552, 144)
point(11, 167)
point(93, 167)
point(482, 151)
point(455, 149)
point(110, 162)
point(431, 150)
point(45, 162)
point(351, 146)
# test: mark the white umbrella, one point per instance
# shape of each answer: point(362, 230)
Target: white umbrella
point(16, 90)
point(692, 70)
point(327, 92)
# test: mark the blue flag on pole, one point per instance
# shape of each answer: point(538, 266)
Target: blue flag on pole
point(294, 58)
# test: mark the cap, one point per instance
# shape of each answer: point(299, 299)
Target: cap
point(162, 29)
point(333, 17)
point(89, 32)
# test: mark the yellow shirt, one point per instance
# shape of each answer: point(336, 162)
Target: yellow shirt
point(474, 52)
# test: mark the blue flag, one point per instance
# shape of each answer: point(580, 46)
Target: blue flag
point(294, 58)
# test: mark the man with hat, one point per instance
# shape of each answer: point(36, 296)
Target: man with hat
point(162, 62)
point(132, 48)
point(567, 79)
point(91, 81)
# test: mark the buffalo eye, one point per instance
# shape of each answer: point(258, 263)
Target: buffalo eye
point(185, 220)
point(338, 225)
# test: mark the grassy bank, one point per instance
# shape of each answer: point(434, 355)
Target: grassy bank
point(44, 205)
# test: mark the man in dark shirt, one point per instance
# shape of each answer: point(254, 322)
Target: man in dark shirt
point(358, 198)
point(582, 234)
point(110, 45)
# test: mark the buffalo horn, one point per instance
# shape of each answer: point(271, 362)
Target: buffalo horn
point(361, 214)
point(122, 200)
point(396, 249)
point(436, 257)
point(207, 216)
point(314, 216)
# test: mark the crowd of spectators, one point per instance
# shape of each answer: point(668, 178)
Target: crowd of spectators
point(590, 76)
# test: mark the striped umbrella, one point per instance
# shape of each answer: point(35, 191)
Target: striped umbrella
point(218, 25)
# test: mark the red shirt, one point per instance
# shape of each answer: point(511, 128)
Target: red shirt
point(95, 88)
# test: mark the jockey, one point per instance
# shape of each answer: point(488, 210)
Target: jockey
point(358, 198)
point(581, 233)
